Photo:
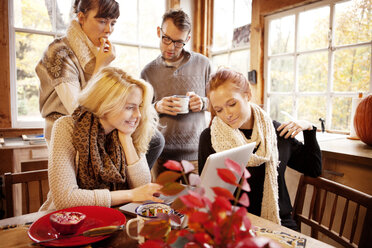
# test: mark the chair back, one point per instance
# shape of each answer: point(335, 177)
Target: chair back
point(24, 178)
point(327, 197)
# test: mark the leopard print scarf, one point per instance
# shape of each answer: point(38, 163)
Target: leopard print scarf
point(101, 159)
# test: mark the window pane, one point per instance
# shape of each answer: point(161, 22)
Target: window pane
point(32, 14)
point(311, 108)
point(29, 50)
point(240, 61)
point(150, 17)
point(220, 60)
point(353, 22)
point(127, 59)
point(63, 14)
point(126, 26)
point(313, 72)
point(313, 28)
point(281, 74)
point(281, 35)
point(147, 55)
point(222, 24)
point(352, 69)
point(341, 111)
point(243, 11)
point(279, 104)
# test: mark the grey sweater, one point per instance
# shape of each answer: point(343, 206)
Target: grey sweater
point(181, 132)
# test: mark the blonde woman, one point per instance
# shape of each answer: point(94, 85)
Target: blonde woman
point(237, 121)
point(97, 155)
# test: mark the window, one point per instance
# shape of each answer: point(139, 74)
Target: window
point(229, 16)
point(317, 58)
point(33, 24)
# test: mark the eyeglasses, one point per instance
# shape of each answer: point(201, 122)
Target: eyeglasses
point(167, 41)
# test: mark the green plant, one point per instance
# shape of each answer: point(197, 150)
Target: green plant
point(210, 224)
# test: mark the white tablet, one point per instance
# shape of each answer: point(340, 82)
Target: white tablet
point(209, 177)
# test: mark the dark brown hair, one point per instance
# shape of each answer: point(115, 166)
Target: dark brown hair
point(180, 19)
point(106, 8)
point(222, 76)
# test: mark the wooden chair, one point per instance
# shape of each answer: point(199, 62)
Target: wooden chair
point(323, 190)
point(24, 178)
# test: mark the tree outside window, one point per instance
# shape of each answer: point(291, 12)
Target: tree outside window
point(316, 60)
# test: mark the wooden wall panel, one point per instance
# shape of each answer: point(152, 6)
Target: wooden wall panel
point(5, 117)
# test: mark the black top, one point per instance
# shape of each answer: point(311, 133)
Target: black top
point(305, 158)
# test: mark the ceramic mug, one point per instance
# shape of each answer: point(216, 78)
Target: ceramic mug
point(184, 102)
point(145, 212)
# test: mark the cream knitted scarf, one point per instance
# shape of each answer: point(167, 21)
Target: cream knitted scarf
point(83, 48)
point(224, 137)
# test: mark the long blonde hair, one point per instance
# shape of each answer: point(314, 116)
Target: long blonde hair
point(107, 92)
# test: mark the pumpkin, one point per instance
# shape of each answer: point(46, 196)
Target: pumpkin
point(363, 120)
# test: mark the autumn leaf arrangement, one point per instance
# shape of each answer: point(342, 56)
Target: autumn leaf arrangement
point(221, 223)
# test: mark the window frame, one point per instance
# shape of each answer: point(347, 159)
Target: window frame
point(331, 49)
point(228, 51)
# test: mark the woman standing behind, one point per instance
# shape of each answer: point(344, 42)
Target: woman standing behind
point(70, 61)
point(235, 122)
point(97, 154)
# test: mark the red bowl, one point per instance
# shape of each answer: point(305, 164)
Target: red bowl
point(67, 222)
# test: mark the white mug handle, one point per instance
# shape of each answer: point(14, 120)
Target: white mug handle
point(128, 226)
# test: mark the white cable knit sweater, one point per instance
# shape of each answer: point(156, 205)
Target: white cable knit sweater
point(64, 191)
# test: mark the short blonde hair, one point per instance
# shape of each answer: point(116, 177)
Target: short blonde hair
point(107, 92)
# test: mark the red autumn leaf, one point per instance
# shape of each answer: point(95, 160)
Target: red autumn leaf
point(241, 211)
point(172, 236)
point(246, 173)
point(257, 242)
point(191, 201)
point(172, 188)
point(244, 200)
point(173, 165)
point(167, 177)
point(202, 238)
point(194, 179)
point(200, 217)
point(187, 166)
point(234, 166)
point(191, 245)
point(245, 185)
point(247, 222)
point(226, 175)
point(153, 244)
point(223, 192)
point(178, 205)
point(222, 202)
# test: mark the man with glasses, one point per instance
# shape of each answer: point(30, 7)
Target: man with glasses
point(178, 72)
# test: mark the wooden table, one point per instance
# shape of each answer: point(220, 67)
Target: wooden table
point(18, 236)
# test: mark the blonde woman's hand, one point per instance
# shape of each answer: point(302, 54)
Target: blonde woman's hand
point(105, 56)
point(146, 193)
point(292, 128)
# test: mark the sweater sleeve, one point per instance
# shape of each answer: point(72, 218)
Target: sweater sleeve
point(58, 71)
point(205, 148)
point(305, 158)
point(138, 173)
point(62, 172)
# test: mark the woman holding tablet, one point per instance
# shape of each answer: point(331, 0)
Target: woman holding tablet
point(235, 122)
